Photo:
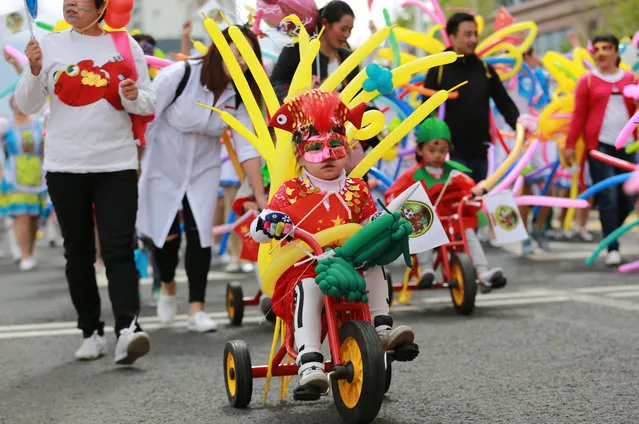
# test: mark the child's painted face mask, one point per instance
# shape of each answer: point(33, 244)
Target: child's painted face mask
point(316, 119)
point(603, 48)
point(317, 148)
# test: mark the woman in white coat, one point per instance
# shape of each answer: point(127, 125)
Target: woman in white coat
point(181, 169)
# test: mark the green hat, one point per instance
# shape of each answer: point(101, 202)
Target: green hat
point(433, 129)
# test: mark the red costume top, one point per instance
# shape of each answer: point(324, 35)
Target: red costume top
point(296, 198)
point(459, 186)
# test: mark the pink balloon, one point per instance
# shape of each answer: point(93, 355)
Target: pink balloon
point(17, 55)
point(627, 131)
point(157, 62)
point(625, 268)
point(551, 202)
point(276, 10)
point(632, 185)
point(519, 183)
point(523, 161)
point(223, 229)
point(631, 91)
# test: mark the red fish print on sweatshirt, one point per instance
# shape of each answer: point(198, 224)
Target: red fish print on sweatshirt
point(84, 83)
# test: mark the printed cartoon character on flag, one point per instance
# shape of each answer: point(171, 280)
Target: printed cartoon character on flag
point(504, 217)
point(13, 23)
point(416, 208)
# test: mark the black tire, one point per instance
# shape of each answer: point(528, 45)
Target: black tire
point(359, 400)
point(463, 295)
point(235, 303)
point(389, 375)
point(267, 309)
point(238, 376)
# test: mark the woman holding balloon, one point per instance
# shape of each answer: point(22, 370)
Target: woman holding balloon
point(338, 19)
point(97, 88)
point(601, 112)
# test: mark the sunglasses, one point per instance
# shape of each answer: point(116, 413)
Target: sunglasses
point(604, 48)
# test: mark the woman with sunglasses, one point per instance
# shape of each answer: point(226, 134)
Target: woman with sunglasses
point(181, 169)
point(91, 161)
point(601, 111)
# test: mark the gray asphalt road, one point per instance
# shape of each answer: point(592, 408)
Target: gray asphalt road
point(559, 344)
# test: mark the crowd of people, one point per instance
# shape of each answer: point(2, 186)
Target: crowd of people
point(74, 147)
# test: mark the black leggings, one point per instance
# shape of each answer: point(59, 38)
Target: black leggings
point(197, 260)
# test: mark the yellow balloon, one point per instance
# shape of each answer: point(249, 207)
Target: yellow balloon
point(520, 135)
point(390, 155)
point(422, 41)
point(303, 37)
point(514, 53)
point(256, 68)
point(241, 83)
point(287, 256)
point(394, 137)
point(61, 26)
point(339, 75)
point(404, 58)
point(372, 124)
point(403, 74)
point(480, 24)
point(529, 26)
point(200, 47)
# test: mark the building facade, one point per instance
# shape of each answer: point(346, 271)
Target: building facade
point(556, 18)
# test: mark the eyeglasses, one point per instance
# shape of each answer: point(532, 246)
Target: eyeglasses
point(605, 48)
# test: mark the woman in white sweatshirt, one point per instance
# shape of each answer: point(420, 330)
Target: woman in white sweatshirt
point(181, 170)
point(91, 162)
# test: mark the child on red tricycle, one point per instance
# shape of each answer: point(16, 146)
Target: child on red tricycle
point(450, 190)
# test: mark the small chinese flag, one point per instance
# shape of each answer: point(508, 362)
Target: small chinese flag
point(243, 229)
point(502, 20)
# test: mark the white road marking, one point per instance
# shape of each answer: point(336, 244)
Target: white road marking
point(608, 296)
point(179, 324)
point(180, 278)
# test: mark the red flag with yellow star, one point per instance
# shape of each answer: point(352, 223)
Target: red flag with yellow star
point(243, 229)
point(502, 20)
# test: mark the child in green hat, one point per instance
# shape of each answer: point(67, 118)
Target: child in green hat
point(438, 174)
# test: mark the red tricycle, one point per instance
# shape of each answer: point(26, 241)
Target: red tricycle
point(458, 272)
point(359, 370)
point(235, 303)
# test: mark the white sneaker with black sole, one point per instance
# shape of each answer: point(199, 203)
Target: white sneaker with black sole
point(92, 348)
point(132, 344)
point(313, 373)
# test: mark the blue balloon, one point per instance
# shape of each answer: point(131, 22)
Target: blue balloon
point(602, 185)
point(369, 85)
point(32, 7)
point(385, 87)
point(380, 176)
point(385, 77)
point(373, 70)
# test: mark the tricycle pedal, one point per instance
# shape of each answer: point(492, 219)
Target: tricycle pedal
point(307, 392)
point(404, 353)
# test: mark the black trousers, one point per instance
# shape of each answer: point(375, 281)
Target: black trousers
point(197, 259)
point(114, 195)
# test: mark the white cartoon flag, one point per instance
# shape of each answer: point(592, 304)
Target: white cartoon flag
point(13, 23)
point(504, 217)
point(416, 208)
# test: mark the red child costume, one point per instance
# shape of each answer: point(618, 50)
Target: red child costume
point(353, 203)
point(458, 187)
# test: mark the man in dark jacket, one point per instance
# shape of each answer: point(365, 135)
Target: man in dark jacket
point(468, 116)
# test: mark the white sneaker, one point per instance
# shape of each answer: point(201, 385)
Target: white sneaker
point(393, 337)
point(131, 345)
point(225, 258)
point(167, 308)
point(232, 268)
point(248, 267)
point(313, 373)
point(27, 264)
point(201, 322)
point(584, 234)
point(92, 347)
point(613, 258)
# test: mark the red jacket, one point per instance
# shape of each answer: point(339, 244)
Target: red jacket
point(591, 100)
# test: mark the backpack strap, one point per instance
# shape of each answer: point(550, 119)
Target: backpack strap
point(183, 82)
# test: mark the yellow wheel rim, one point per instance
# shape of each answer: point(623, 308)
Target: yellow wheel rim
point(351, 392)
point(458, 292)
point(230, 309)
point(231, 374)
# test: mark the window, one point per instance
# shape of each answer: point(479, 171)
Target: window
point(555, 40)
point(506, 3)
